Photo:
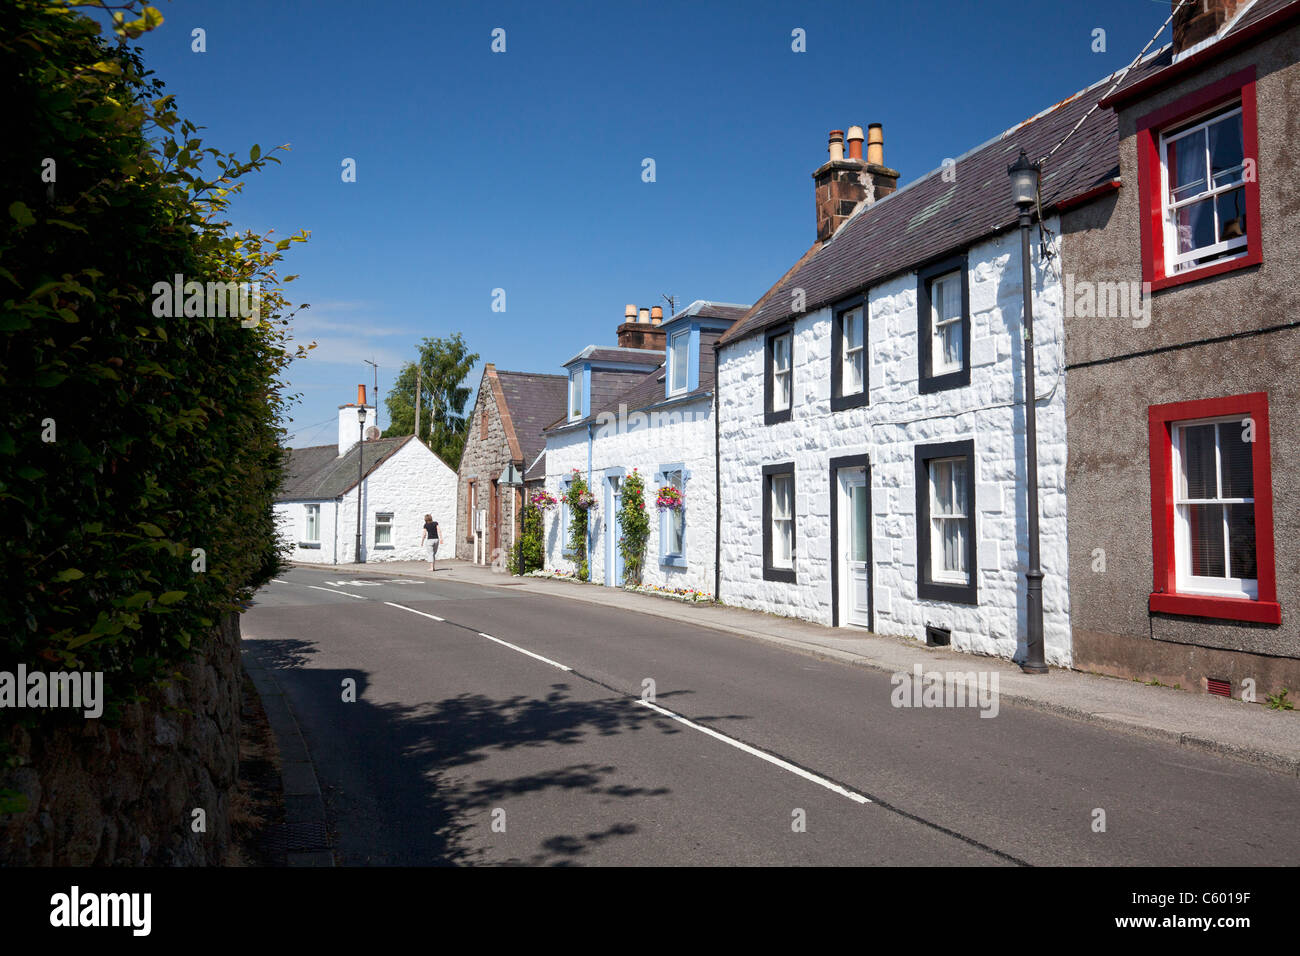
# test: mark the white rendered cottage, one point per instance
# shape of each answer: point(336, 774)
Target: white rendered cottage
point(872, 420)
point(401, 482)
point(659, 423)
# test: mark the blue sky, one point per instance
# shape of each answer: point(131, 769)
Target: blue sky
point(522, 170)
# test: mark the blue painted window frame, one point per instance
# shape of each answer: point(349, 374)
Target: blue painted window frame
point(661, 478)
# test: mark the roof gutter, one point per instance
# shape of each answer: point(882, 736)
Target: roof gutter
point(1177, 71)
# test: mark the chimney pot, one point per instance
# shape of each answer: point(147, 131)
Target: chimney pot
point(656, 315)
point(836, 147)
point(644, 317)
point(876, 144)
point(629, 313)
point(855, 142)
point(361, 395)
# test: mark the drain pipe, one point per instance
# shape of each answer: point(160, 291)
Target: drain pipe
point(590, 491)
point(717, 473)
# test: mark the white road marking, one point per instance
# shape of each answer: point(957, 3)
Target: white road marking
point(333, 591)
point(513, 647)
point(752, 751)
point(414, 611)
point(516, 647)
point(278, 581)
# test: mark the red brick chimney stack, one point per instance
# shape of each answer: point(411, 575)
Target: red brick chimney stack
point(640, 329)
point(844, 183)
point(1199, 20)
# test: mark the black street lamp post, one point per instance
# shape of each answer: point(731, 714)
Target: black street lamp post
point(513, 478)
point(1024, 191)
point(361, 447)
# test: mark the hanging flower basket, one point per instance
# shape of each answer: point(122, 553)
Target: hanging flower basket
point(670, 498)
point(543, 501)
point(586, 501)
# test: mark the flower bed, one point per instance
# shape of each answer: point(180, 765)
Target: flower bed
point(685, 595)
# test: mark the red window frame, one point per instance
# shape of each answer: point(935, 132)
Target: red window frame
point(1165, 597)
point(1230, 89)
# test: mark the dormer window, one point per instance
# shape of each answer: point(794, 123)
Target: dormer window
point(679, 362)
point(575, 394)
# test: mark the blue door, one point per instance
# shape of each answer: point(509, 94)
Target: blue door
point(613, 531)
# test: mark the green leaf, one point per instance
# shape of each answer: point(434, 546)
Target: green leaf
point(171, 597)
point(254, 153)
point(152, 530)
point(68, 574)
point(21, 214)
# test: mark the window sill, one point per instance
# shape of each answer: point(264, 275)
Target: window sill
point(311, 545)
point(672, 561)
point(1251, 258)
point(384, 547)
point(948, 592)
point(1225, 608)
point(857, 400)
point(775, 418)
point(930, 384)
point(785, 575)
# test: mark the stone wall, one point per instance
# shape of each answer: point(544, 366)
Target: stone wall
point(124, 795)
point(887, 430)
point(483, 460)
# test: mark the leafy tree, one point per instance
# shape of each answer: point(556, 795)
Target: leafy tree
point(140, 449)
point(444, 366)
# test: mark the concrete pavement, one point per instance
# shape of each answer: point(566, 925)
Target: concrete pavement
point(1221, 726)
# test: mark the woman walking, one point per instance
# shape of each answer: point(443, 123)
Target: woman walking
point(429, 539)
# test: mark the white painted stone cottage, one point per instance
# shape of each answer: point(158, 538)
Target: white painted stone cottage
point(658, 422)
point(872, 425)
point(401, 482)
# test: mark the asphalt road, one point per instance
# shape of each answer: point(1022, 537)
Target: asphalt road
point(520, 729)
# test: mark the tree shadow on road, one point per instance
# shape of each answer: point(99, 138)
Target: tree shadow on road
point(397, 780)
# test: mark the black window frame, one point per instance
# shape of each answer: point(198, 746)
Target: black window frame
point(771, 417)
point(840, 402)
point(770, 573)
point(925, 588)
point(927, 382)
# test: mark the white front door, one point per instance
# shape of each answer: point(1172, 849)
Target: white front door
point(855, 546)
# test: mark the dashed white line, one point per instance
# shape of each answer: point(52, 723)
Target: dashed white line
point(414, 611)
point(516, 647)
point(278, 581)
point(755, 752)
point(333, 591)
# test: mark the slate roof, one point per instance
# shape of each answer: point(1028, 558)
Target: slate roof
point(533, 400)
point(537, 470)
point(937, 215)
point(318, 473)
point(729, 311)
point(602, 353)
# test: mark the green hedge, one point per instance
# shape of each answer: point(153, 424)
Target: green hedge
point(166, 431)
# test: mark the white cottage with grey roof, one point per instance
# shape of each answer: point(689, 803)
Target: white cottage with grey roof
point(401, 481)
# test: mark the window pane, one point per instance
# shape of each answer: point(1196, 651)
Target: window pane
point(1232, 214)
point(853, 379)
point(781, 398)
point(1198, 462)
point(1226, 151)
point(952, 344)
point(1187, 166)
point(1205, 527)
point(1241, 541)
point(785, 548)
point(781, 352)
point(860, 522)
point(680, 342)
point(941, 481)
point(383, 531)
point(1195, 224)
point(954, 545)
point(852, 329)
point(1235, 457)
point(781, 504)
